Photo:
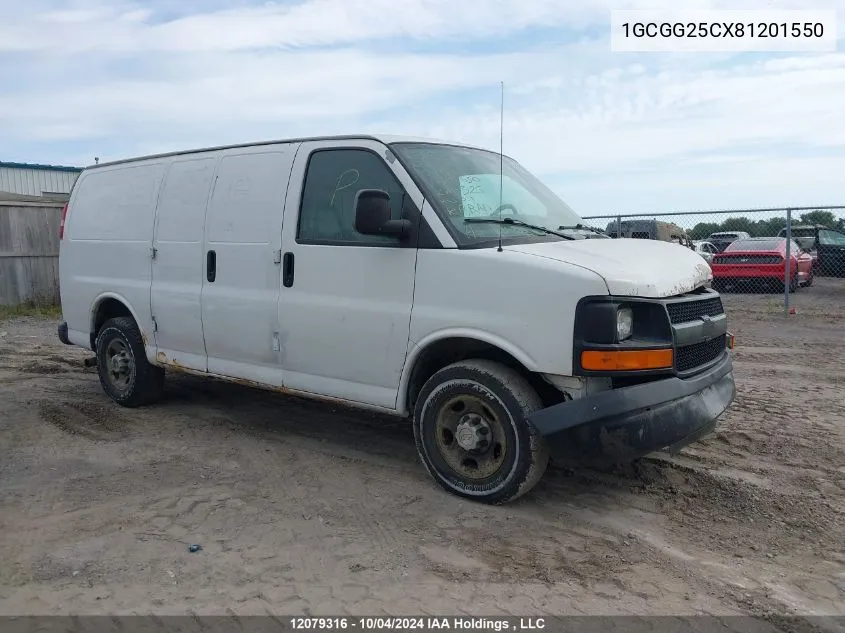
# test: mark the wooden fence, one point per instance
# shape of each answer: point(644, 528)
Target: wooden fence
point(29, 252)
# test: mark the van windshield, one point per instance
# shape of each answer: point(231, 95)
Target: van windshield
point(463, 182)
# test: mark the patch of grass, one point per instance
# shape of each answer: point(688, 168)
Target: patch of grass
point(31, 309)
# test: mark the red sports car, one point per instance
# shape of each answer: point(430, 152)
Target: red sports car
point(758, 260)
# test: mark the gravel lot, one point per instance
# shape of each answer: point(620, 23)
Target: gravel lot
point(304, 508)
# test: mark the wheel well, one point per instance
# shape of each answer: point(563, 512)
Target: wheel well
point(108, 309)
point(451, 350)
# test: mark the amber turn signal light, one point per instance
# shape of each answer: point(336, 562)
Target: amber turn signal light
point(627, 360)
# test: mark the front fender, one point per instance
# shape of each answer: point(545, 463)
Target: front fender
point(482, 336)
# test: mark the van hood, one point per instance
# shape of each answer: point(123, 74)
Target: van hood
point(630, 267)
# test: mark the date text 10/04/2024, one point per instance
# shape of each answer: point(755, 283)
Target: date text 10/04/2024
point(417, 624)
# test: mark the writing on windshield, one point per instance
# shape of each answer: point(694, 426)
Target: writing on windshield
point(480, 197)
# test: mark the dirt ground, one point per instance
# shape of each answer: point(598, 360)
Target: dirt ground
point(304, 508)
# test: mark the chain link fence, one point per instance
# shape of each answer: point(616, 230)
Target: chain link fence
point(783, 253)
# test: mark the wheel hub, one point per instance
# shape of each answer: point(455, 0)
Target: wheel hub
point(473, 433)
point(120, 364)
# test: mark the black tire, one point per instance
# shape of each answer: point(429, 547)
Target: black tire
point(780, 285)
point(131, 381)
point(504, 399)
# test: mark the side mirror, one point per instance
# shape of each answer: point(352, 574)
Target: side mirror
point(372, 215)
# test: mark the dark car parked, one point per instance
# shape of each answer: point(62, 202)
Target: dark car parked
point(827, 246)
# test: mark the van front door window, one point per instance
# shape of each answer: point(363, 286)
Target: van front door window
point(332, 179)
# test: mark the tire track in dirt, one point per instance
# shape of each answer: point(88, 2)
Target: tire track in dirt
point(33, 362)
point(752, 521)
point(98, 422)
point(255, 472)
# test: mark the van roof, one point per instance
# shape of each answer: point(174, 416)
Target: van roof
point(387, 139)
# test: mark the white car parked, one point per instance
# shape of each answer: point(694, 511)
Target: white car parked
point(395, 274)
point(705, 249)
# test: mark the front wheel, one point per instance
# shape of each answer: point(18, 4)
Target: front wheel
point(472, 434)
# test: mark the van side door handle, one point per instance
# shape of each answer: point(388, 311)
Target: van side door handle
point(211, 266)
point(287, 269)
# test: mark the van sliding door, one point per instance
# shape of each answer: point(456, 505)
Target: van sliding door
point(242, 274)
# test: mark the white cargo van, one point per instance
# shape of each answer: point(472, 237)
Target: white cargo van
point(396, 274)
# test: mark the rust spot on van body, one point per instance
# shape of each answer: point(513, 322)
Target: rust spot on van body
point(172, 363)
point(247, 383)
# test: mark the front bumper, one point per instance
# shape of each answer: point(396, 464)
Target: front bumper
point(624, 424)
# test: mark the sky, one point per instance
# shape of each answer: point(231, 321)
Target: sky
point(609, 132)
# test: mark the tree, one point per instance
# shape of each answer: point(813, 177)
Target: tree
point(769, 227)
point(738, 224)
point(825, 218)
point(703, 229)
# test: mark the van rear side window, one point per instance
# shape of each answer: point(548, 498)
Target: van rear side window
point(116, 204)
point(248, 197)
point(181, 208)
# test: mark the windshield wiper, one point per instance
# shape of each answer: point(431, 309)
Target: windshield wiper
point(517, 223)
point(581, 227)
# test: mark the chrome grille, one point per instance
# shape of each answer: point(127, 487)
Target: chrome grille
point(686, 311)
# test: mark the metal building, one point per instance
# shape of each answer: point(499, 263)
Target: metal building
point(48, 181)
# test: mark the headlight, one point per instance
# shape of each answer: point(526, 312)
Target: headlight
point(624, 323)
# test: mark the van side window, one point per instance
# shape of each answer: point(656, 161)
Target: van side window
point(333, 177)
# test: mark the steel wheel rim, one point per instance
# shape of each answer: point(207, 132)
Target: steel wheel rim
point(470, 437)
point(120, 366)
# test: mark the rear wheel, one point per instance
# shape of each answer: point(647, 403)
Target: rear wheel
point(125, 374)
point(793, 284)
point(472, 434)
